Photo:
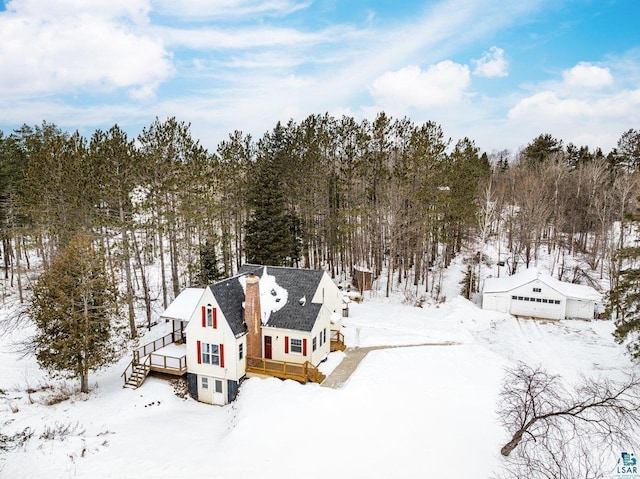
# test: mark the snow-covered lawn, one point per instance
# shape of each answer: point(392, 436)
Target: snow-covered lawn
point(410, 412)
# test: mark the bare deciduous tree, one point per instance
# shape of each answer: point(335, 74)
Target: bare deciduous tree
point(558, 433)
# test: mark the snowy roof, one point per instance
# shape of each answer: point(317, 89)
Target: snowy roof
point(570, 290)
point(281, 290)
point(182, 307)
point(230, 297)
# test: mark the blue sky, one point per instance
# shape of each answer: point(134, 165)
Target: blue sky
point(499, 72)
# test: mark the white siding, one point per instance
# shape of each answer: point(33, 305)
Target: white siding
point(496, 302)
point(234, 368)
point(329, 294)
point(278, 338)
point(580, 308)
point(537, 304)
point(323, 324)
point(534, 299)
point(279, 335)
point(209, 395)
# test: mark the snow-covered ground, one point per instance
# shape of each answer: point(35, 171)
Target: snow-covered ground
point(411, 412)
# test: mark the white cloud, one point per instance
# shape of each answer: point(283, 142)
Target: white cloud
point(548, 105)
point(65, 45)
point(584, 117)
point(440, 84)
point(133, 10)
point(206, 9)
point(586, 75)
point(492, 64)
point(239, 38)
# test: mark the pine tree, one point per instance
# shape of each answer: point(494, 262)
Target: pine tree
point(209, 271)
point(624, 300)
point(273, 229)
point(624, 296)
point(73, 308)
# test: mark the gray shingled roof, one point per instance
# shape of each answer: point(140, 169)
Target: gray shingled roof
point(230, 297)
point(299, 283)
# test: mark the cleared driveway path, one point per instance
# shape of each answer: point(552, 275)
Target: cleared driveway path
point(354, 356)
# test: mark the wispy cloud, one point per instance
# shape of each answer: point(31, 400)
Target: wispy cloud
point(492, 64)
point(204, 10)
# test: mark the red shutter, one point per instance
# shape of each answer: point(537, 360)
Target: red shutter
point(221, 355)
point(204, 316)
point(215, 317)
point(199, 350)
point(304, 347)
point(286, 344)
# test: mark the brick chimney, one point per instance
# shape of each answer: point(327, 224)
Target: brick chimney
point(252, 316)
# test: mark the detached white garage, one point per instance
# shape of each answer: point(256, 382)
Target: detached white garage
point(534, 294)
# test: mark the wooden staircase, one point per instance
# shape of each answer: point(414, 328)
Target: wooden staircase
point(337, 341)
point(136, 373)
point(314, 374)
point(137, 370)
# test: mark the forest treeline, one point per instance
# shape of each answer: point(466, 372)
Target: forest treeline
point(388, 195)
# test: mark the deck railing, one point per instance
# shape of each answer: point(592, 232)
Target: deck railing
point(169, 363)
point(149, 348)
point(304, 372)
point(127, 372)
point(140, 369)
point(337, 341)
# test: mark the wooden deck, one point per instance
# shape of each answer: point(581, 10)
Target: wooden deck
point(166, 355)
point(303, 373)
point(171, 359)
point(337, 341)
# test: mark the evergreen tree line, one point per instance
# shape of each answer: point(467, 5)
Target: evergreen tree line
point(334, 193)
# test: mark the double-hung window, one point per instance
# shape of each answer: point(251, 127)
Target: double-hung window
point(210, 354)
point(209, 317)
point(296, 346)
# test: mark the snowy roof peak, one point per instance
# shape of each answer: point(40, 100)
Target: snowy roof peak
point(273, 297)
point(183, 306)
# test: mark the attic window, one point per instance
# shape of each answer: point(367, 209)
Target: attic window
point(537, 290)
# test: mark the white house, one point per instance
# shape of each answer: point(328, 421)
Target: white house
point(265, 321)
point(531, 293)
